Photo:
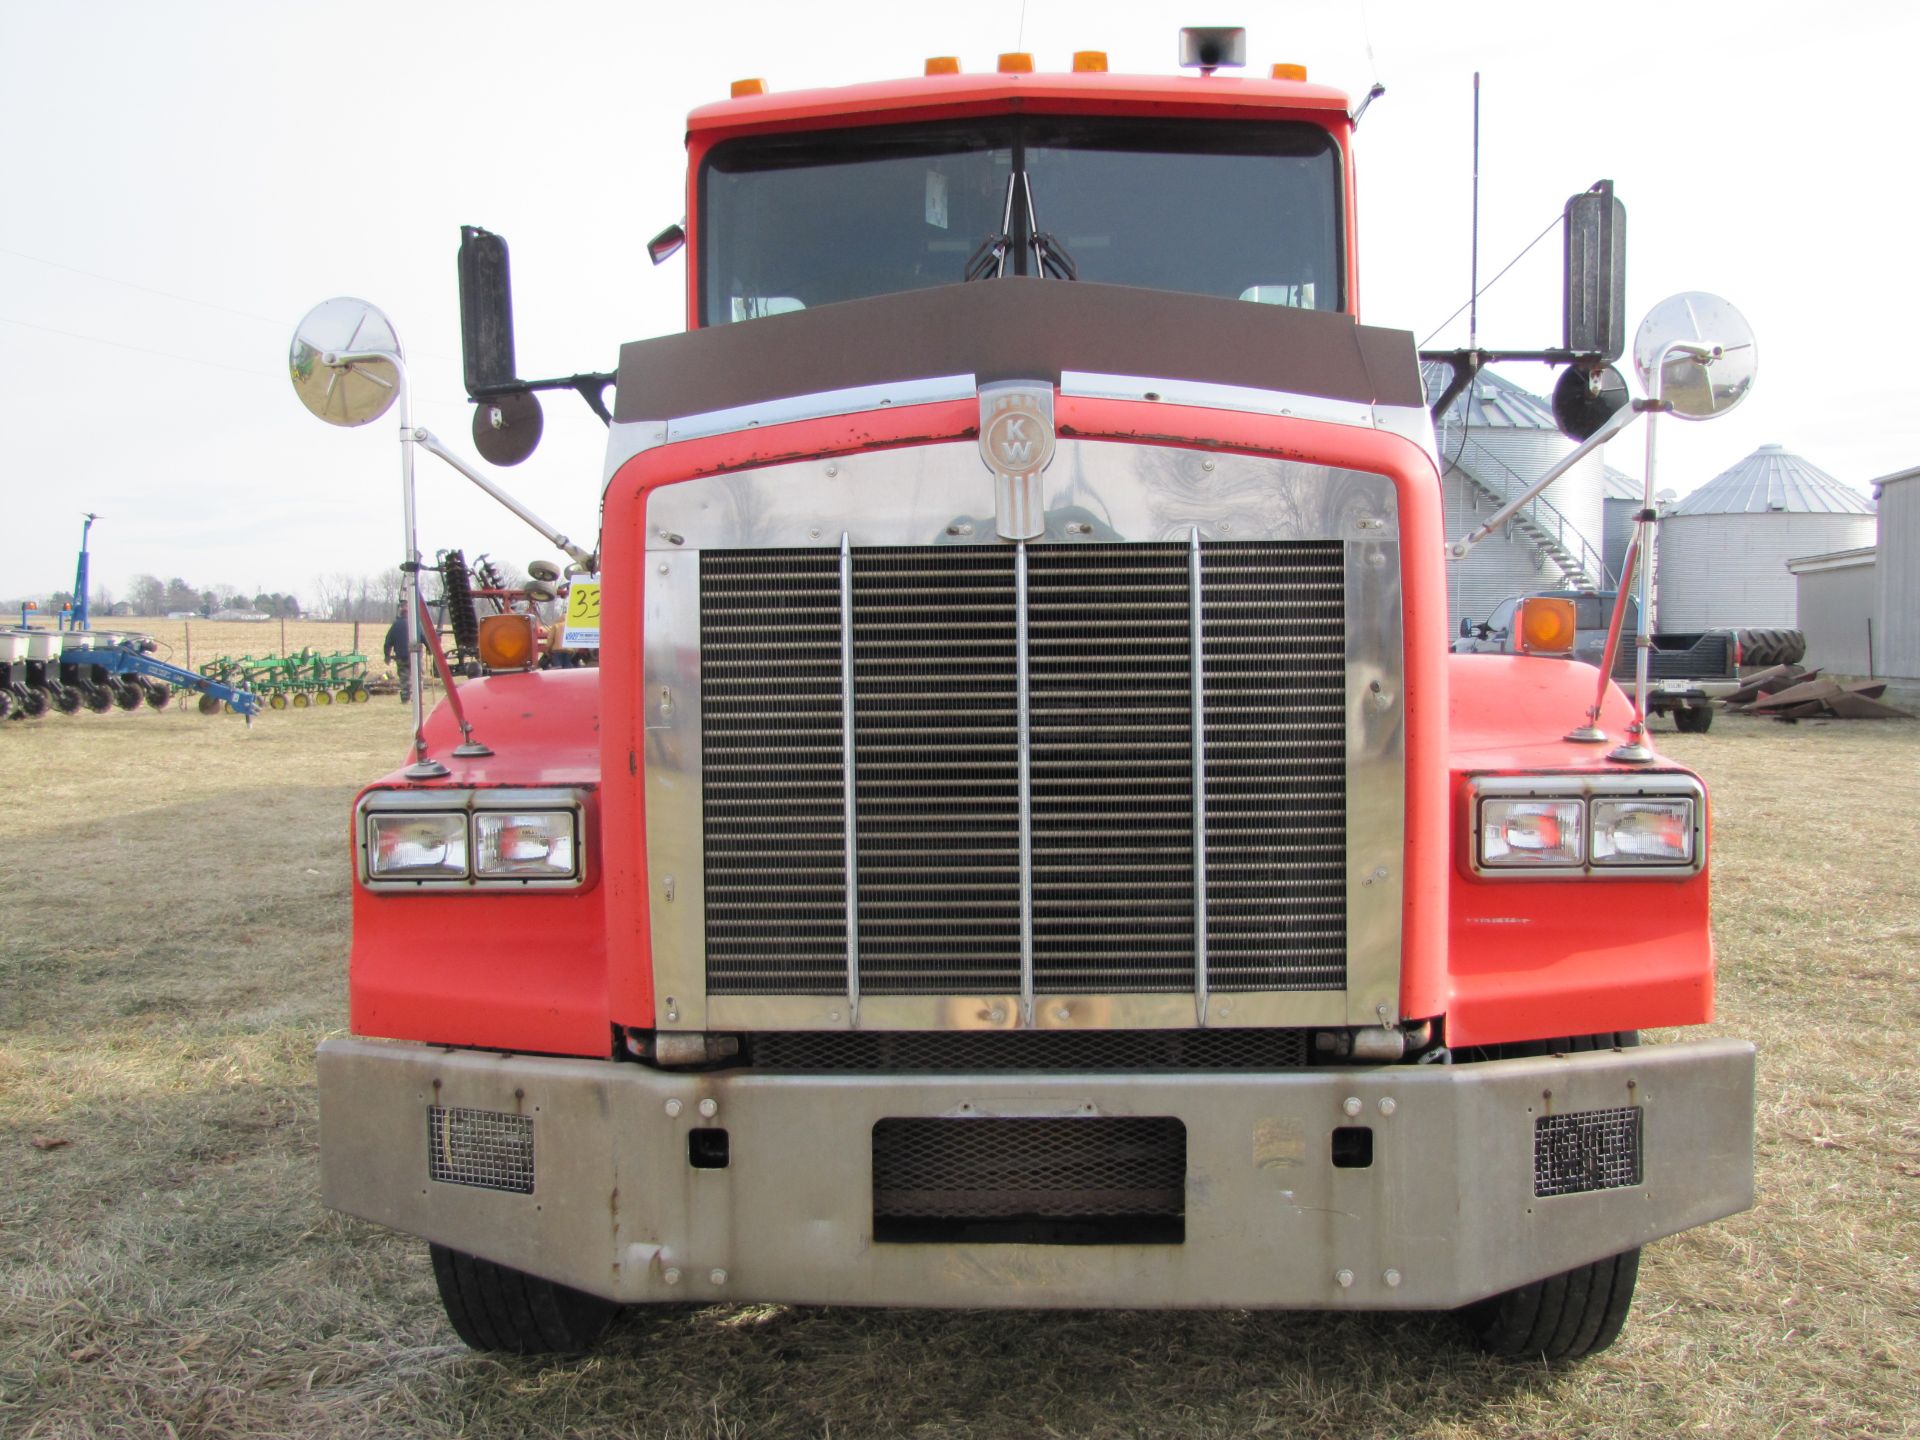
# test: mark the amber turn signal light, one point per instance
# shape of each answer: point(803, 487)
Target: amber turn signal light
point(508, 642)
point(744, 88)
point(1545, 625)
point(1016, 62)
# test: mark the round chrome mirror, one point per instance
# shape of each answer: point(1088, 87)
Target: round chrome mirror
point(1704, 350)
point(350, 394)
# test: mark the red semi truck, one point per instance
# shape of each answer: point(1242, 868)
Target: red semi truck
point(1026, 842)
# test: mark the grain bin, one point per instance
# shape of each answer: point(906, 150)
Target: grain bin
point(1723, 549)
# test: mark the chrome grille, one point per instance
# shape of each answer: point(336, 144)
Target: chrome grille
point(1112, 805)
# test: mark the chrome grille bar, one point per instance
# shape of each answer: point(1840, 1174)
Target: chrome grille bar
point(849, 772)
point(1197, 669)
point(1023, 684)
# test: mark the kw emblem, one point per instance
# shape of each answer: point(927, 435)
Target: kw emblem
point(1017, 441)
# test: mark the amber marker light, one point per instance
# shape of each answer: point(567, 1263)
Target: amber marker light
point(1090, 62)
point(1545, 625)
point(1016, 62)
point(744, 88)
point(507, 642)
point(1289, 72)
point(943, 65)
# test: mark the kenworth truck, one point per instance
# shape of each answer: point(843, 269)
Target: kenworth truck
point(1026, 842)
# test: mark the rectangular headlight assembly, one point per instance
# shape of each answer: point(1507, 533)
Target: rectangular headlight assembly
point(471, 839)
point(1547, 826)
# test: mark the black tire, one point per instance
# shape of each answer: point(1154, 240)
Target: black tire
point(1769, 646)
point(1580, 1311)
point(1695, 719)
point(209, 705)
point(492, 1307)
point(1564, 1317)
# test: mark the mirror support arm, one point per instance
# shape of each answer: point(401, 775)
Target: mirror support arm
point(591, 387)
point(431, 444)
point(1615, 423)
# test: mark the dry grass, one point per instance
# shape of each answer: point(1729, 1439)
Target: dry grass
point(173, 894)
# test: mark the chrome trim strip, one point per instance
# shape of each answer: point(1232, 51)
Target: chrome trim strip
point(672, 762)
point(1094, 386)
point(1024, 722)
point(1154, 1010)
point(1197, 671)
point(849, 798)
point(820, 406)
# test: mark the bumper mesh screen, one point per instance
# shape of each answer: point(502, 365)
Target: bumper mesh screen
point(977, 1051)
point(937, 774)
point(492, 1149)
point(988, 1169)
point(1586, 1150)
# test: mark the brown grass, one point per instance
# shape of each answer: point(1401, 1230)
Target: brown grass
point(173, 897)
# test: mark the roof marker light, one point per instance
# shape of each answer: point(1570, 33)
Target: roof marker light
point(1089, 62)
point(1289, 72)
point(943, 65)
point(744, 88)
point(1016, 62)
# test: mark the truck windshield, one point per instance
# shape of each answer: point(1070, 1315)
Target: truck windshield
point(1244, 211)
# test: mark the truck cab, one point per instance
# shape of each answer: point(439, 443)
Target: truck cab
point(1026, 842)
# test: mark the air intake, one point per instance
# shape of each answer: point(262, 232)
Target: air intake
point(489, 1149)
point(1586, 1150)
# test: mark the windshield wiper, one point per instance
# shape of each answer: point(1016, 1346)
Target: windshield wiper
point(991, 257)
point(1050, 257)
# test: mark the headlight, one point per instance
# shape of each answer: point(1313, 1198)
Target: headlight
point(1532, 832)
point(417, 847)
point(537, 846)
point(1642, 832)
point(472, 840)
point(1557, 826)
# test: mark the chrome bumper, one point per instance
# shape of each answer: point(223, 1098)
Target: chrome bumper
point(1445, 1213)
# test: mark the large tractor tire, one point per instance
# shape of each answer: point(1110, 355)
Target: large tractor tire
point(1769, 647)
point(492, 1307)
point(1581, 1311)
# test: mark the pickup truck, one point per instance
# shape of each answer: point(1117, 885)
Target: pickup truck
point(1685, 672)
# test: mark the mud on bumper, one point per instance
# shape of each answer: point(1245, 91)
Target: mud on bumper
point(1393, 1187)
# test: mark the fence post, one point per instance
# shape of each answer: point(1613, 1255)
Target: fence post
point(189, 629)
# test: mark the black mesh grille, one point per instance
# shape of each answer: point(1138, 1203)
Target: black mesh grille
point(490, 1149)
point(1586, 1150)
point(976, 1051)
point(1112, 706)
point(1100, 1167)
point(937, 772)
point(776, 848)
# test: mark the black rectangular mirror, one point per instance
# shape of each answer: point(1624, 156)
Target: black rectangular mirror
point(1594, 309)
point(486, 313)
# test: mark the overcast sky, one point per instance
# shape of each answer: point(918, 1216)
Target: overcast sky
point(183, 180)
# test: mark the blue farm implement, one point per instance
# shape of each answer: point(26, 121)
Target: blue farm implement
point(73, 670)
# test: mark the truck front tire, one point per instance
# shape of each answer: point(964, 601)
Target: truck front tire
point(492, 1307)
point(1563, 1317)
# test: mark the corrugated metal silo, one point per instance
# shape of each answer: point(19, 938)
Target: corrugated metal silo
point(1623, 495)
point(1494, 441)
point(1724, 548)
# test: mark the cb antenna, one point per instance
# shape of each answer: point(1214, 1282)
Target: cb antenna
point(1473, 309)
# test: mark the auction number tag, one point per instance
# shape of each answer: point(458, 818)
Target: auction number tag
point(583, 616)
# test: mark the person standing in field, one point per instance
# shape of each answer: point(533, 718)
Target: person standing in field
point(396, 652)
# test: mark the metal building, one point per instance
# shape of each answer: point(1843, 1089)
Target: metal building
point(1494, 441)
point(1723, 550)
point(1836, 610)
point(1623, 496)
point(1897, 575)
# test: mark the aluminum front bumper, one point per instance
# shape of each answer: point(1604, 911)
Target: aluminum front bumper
point(1446, 1212)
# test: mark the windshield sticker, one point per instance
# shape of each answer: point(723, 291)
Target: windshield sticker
point(936, 199)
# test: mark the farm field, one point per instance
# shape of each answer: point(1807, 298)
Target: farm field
point(173, 897)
